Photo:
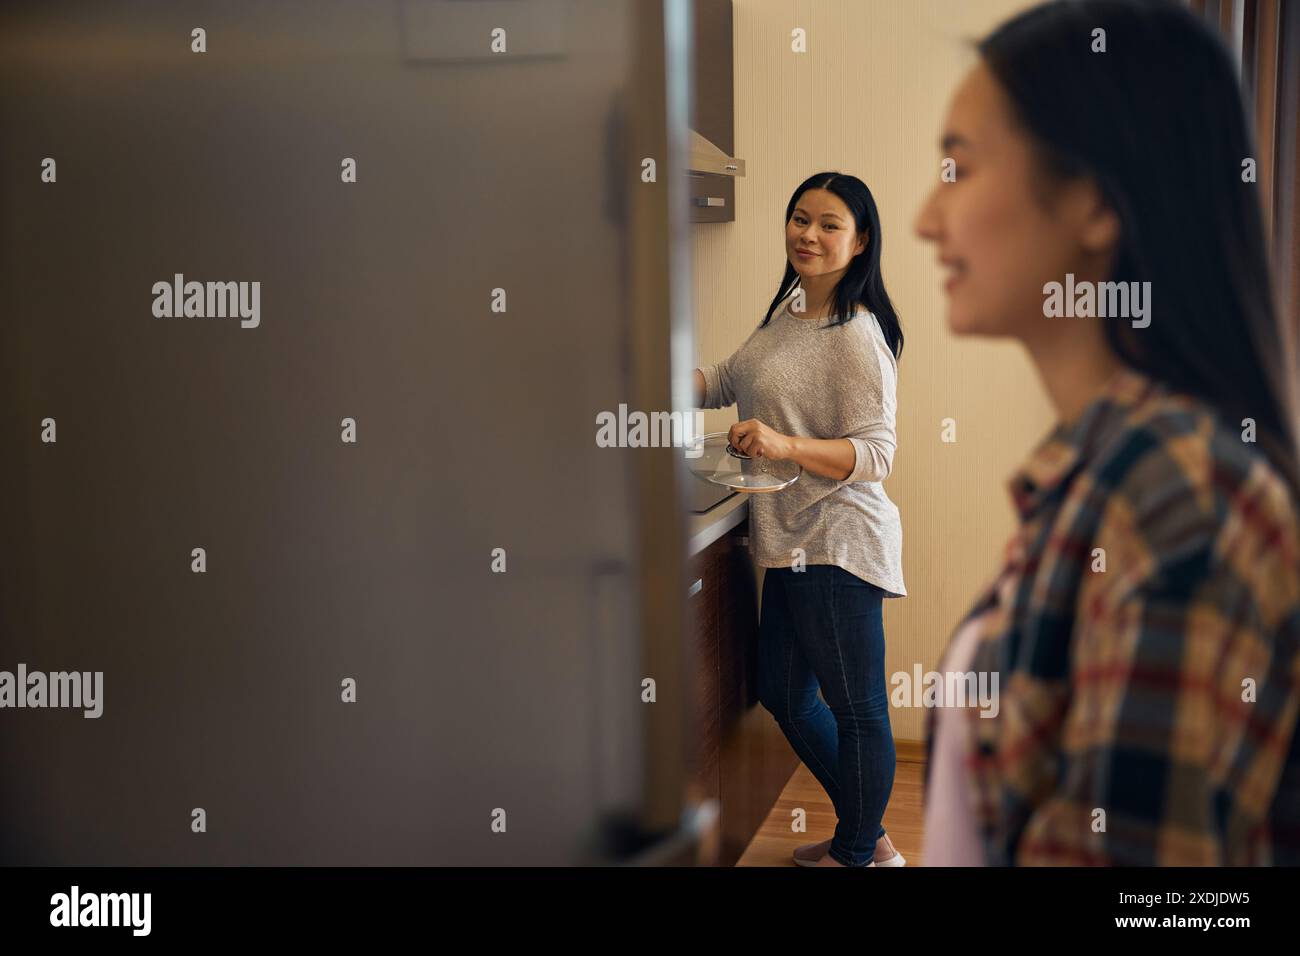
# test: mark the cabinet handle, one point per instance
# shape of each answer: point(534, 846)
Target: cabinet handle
point(694, 589)
point(710, 201)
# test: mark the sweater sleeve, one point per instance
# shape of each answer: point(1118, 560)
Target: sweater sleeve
point(718, 389)
point(873, 436)
point(719, 381)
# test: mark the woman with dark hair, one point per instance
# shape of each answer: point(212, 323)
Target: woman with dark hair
point(815, 384)
point(1145, 628)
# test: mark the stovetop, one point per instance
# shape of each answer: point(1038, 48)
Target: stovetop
point(704, 495)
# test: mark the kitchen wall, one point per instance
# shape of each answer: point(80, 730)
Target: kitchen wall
point(868, 98)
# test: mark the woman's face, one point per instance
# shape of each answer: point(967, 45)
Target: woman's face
point(995, 238)
point(823, 226)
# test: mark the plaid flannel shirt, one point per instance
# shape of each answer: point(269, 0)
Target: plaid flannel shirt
point(1127, 690)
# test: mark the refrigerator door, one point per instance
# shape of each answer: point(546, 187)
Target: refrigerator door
point(298, 289)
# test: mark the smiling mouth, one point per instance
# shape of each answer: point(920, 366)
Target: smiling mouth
point(955, 271)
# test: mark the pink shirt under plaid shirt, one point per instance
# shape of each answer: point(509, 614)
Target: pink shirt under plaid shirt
point(1146, 634)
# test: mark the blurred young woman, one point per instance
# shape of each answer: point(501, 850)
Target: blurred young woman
point(815, 383)
point(1146, 623)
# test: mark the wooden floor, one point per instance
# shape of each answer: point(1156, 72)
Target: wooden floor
point(774, 842)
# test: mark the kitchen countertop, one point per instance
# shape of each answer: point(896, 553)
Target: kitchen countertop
point(706, 528)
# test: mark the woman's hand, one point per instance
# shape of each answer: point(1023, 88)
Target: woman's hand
point(751, 437)
point(833, 458)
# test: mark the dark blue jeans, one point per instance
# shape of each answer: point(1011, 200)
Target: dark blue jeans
point(822, 628)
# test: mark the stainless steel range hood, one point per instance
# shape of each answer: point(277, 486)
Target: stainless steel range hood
point(705, 157)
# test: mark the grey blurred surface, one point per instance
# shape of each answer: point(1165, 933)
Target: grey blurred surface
point(325, 560)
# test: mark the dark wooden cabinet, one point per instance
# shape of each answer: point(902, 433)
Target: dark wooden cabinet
point(713, 196)
point(703, 603)
point(741, 757)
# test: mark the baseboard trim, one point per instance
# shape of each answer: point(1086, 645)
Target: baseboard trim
point(910, 751)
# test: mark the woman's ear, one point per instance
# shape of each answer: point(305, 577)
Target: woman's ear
point(1099, 225)
point(862, 243)
point(1101, 233)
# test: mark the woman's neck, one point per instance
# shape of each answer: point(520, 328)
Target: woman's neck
point(819, 294)
point(1074, 367)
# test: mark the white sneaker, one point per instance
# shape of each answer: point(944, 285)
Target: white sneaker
point(810, 854)
point(895, 860)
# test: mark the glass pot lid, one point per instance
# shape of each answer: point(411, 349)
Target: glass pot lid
point(711, 458)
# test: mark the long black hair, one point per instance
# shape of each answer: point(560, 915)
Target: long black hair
point(1158, 122)
point(861, 282)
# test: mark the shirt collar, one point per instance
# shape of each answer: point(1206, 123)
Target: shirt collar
point(1070, 444)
